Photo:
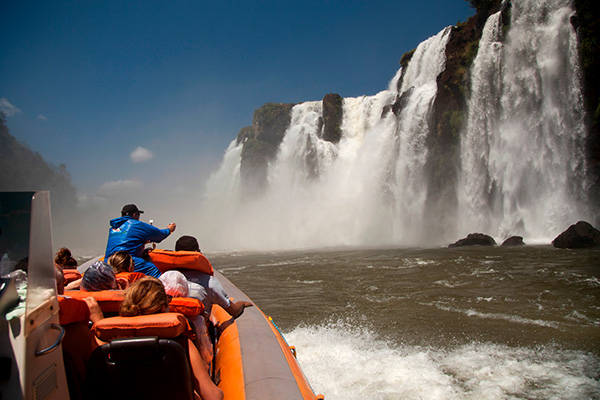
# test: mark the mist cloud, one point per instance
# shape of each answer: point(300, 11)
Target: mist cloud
point(118, 187)
point(42, 117)
point(8, 108)
point(140, 155)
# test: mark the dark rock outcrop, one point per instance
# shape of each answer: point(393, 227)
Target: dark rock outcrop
point(271, 121)
point(578, 236)
point(514, 241)
point(261, 141)
point(475, 239)
point(333, 111)
point(448, 113)
point(587, 24)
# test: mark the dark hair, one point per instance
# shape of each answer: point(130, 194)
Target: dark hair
point(187, 243)
point(65, 259)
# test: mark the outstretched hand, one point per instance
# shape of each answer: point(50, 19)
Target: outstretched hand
point(237, 308)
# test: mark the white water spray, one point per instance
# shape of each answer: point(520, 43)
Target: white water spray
point(361, 191)
point(523, 165)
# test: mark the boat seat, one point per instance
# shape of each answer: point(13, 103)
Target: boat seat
point(137, 363)
point(139, 368)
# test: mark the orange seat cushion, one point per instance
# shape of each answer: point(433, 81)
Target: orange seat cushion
point(108, 300)
point(72, 310)
point(163, 325)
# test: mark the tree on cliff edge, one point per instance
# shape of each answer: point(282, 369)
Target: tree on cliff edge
point(484, 6)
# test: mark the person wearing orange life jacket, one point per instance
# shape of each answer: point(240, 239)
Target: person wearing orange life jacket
point(206, 287)
point(147, 296)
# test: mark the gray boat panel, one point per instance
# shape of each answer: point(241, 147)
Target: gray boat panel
point(267, 375)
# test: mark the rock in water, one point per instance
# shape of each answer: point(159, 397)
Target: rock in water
point(579, 236)
point(514, 241)
point(475, 239)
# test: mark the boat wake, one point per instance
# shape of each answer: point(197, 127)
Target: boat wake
point(345, 361)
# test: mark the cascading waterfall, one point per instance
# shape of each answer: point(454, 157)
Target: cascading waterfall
point(522, 158)
point(475, 146)
point(413, 128)
point(523, 164)
point(356, 196)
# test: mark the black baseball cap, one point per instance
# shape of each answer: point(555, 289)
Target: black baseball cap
point(130, 209)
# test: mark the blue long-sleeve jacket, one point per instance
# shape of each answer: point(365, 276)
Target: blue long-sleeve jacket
point(129, 234)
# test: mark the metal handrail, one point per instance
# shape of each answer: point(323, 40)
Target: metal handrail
point(55, 345)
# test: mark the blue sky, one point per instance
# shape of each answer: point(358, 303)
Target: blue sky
point(86, 83)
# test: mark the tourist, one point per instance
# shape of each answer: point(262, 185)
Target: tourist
point(130, 234)
point(147, 296)
point(123, 265)
point(206, 287)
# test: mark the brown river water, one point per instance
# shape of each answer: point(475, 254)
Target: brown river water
point(442, 323)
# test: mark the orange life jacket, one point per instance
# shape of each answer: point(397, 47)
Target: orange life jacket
point(166, 260)
point(131, 276)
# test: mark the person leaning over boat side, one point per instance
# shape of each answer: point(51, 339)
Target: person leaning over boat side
point(130, 234)
point(177, 285)
point(206, 287)
point(147, 296)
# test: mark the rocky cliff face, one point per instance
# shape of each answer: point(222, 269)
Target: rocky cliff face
point(261, 140)
point(450, 108)
point(332, 117)
point(269, 123)
point(587, 23)
point(26, 170)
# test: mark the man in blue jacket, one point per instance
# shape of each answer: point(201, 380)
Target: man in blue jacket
point(130, 234)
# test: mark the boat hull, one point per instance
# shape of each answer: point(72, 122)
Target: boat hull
point(252, 358)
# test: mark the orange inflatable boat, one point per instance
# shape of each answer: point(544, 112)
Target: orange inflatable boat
point(46, 353)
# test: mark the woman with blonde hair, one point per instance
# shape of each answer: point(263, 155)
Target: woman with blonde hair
point(121, 261)
point(147, 296)
point(123, 265)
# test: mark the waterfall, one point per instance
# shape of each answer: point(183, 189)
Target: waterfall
point(521, 152)
point(523, 165)
point(413, 129)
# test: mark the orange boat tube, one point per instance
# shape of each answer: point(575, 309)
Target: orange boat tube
point(252, 359)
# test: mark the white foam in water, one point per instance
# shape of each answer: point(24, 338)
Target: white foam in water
point(344, 362)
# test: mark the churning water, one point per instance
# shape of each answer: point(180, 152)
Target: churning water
point(445, 323)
